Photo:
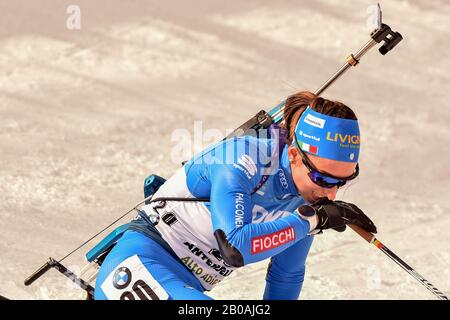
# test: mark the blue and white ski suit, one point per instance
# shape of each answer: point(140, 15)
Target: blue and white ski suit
point(250, 217)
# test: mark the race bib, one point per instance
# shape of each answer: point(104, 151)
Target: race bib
point(131, 280)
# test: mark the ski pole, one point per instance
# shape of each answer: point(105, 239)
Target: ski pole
point(369, 237)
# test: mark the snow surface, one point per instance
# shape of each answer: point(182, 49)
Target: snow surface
point(86, 115)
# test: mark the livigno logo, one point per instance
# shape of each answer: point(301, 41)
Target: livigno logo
point(349, 139)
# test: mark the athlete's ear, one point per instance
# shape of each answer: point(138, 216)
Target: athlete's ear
point(293, 155)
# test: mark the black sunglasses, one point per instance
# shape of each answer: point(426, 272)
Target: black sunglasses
point(323, 179)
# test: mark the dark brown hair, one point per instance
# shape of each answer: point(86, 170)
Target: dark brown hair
point(298, 102)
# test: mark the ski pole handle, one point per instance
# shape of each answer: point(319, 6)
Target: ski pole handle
point(366, 235)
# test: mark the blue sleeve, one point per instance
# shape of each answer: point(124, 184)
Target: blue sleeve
point(240, 240)
point(286, 272)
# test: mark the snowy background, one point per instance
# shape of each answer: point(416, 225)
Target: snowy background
point(86, 115)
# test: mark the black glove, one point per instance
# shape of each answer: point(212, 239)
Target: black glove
point(337, 214)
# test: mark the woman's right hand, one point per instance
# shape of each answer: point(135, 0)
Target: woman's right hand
point(337, 215)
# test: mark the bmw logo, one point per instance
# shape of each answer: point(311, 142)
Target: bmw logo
point(122, 278)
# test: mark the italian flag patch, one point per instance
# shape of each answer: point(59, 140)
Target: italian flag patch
point(308, 148)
